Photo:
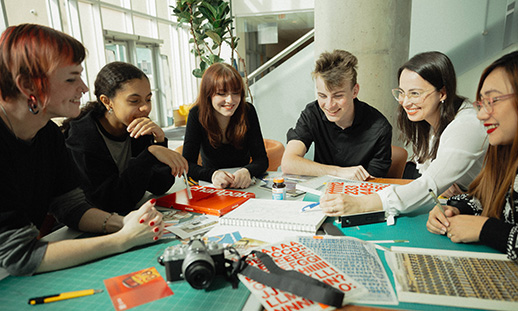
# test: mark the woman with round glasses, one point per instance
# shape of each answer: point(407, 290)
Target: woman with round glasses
point(489, 213)
point(447, 141)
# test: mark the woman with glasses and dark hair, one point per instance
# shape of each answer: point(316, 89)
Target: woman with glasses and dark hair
point(489, 213)
point(448, 142)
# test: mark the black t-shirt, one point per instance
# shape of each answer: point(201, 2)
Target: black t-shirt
point(366, 142)
point(33, 174)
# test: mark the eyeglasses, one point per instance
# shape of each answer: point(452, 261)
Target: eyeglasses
point(488, 103)
point(399, 95)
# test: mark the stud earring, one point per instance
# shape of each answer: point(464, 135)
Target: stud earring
point(32, 102)
point(110, 111)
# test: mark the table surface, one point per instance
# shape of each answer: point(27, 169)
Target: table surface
point(15, 291)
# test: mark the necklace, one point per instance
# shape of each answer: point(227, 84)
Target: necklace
point(8, 120)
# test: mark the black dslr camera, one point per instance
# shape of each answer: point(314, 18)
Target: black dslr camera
point(195, 262)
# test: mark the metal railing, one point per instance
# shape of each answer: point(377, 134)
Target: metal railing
point(253, 75)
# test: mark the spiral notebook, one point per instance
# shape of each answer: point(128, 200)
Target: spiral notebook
point(275, 214)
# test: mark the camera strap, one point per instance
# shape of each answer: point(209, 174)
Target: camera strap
point(291, 281)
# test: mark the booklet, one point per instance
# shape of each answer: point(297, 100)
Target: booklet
point(206, 200)
point(137, 288)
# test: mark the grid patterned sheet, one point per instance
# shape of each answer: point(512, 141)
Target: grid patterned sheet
point(460, 276)
point(15, 291)
point(358, 260)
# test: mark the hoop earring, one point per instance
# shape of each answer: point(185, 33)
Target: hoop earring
point(32, 102)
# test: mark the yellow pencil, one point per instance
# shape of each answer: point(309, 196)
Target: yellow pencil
point(63, 296)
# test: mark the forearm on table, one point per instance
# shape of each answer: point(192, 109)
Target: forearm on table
point(68, 253)
point(94, 219)
point(294, 164)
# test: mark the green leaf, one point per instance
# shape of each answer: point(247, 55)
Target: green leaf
point(210, 7)
point(198, 73)
point(214, 36)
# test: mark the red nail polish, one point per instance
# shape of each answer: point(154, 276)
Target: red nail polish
point(141, 221)
point(152, 223)
point(155, 238)
point(152, 201)
point(155, 230)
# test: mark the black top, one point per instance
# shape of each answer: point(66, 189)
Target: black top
point(366, 142)
point(225, 156)
point(500, 234)
point(106, 187)
point(36, 178)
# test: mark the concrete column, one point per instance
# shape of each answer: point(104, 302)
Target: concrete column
point(377, 32)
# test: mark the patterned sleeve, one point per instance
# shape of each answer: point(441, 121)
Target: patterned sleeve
point(466, 204)
point(500, 234)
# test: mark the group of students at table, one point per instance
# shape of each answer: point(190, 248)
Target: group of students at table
point(109, 153)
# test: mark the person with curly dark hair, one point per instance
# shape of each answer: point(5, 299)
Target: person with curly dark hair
point(120, 152)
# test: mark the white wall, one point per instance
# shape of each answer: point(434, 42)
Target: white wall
point(467, 83)
point(281, 96)
point(470, 32)
point(253, 7)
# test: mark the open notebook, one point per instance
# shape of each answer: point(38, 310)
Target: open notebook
point(275, 214)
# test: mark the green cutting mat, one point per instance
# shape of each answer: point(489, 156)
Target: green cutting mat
point(15, 291)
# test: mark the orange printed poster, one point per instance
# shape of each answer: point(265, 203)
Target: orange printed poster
point(354, 188)
point(206, 200)
point(137, 288)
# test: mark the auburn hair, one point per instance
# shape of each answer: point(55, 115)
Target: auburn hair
point(222, 78)
point(501, 162)
point(33, 52)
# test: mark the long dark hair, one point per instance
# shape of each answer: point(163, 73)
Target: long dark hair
point(221, 77)
point(437, 69)
point(501, 162)
point(109, 80)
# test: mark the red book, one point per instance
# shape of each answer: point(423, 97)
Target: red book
point(206, 200)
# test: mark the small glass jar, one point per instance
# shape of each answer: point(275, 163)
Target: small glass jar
point(278, 189)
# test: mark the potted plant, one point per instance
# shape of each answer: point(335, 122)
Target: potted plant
point(210, 26)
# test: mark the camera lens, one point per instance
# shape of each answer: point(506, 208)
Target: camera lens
point(199, 274)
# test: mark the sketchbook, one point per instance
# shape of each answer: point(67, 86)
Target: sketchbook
point(455, 278)
point(275, 214)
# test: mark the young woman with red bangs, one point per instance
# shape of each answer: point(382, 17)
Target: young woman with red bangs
point(40, 79)
point(489, 212)
point(225, 130)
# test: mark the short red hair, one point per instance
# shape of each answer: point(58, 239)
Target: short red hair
point(34, 52)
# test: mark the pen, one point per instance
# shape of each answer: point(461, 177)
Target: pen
point(436, 200)
point(309, 206)
point(189, 194)
point(63, 296)
point(387, 241)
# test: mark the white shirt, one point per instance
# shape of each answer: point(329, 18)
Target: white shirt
point(459, 159)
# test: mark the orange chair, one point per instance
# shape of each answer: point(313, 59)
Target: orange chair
point(274, 152)
point(399, 157)
point(179, 149)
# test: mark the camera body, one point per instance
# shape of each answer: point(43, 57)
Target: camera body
point(195, 262)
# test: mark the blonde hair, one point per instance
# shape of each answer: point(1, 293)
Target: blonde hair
point(336, 69)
